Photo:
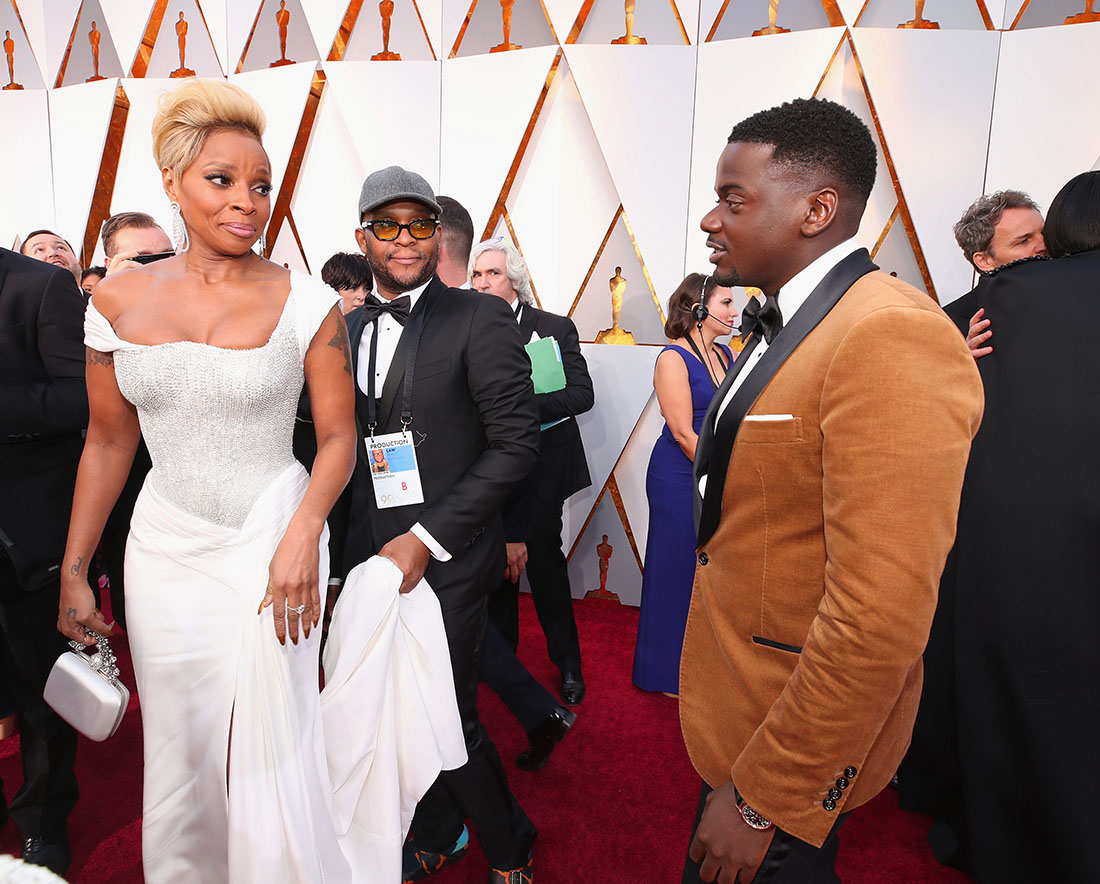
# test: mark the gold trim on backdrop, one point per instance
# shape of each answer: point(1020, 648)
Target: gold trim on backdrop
point(645, 270)
point(886, 230)
point(596, 260)
point(906, 218)
point(833, 13)
point(297, 239)
point(866, 3)
point(986, 17)
point(108, 170)
point(281, 208)
point(515, 241)
point(832, 61)
point(251, 34)
point(68, 49)
point(579, 22)
point(343, 33)
point(209, 36)
point(610, 478)
point(549, 21)
point(1019, 15)
point(513, 170)
point(462, 30)
point(620, 507)
point(149, 39)
point(424, 28)
point(680, 22)
point(717, 21)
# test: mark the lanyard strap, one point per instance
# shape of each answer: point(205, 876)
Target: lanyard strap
point(706, 362)
point(413, 330)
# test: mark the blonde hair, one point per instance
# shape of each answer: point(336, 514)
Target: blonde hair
point(189, 115)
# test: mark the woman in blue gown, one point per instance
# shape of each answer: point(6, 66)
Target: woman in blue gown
point(687, 374)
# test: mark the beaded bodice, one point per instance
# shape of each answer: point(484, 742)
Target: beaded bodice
point(218, 423)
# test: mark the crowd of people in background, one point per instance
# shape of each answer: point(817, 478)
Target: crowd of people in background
point(813, 492)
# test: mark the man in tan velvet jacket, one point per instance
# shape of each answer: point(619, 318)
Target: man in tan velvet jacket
point(829, 467)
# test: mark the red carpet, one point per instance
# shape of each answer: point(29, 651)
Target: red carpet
point(614, 804)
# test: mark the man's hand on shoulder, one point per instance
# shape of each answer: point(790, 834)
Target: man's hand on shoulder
point(409, 553)
point(727, 848)
point(978, 333)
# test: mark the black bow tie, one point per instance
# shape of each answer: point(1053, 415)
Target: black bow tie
point(398, 308)
point(764, 319)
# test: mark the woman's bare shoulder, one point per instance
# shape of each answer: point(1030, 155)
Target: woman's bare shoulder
point(117, 292)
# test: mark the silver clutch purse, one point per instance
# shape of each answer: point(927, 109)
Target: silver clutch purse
point(85, 690)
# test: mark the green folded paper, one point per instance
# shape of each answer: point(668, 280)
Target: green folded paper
point(547, 371)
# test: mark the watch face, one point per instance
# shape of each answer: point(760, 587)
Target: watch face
point(754, 819)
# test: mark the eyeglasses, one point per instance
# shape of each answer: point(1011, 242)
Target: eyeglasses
point(387, 230)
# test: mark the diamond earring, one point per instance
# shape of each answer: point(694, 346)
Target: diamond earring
point(180, 238)
point(262, 243)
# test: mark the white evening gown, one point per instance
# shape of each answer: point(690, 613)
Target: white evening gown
point(240, 783)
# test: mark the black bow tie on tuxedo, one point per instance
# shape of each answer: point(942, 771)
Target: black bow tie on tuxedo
point(764, 319)
point(398, 308)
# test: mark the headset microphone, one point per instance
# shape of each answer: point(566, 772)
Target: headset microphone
point(699, 310)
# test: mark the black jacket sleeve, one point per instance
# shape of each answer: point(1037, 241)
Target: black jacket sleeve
point(577, 396)
point(499, 379)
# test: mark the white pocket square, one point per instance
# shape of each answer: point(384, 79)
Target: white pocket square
point(769, 417)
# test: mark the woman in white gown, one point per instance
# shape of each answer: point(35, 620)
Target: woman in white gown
point(208, 351)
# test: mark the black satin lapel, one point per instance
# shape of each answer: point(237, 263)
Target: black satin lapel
point(396, 374)
point(821, 300)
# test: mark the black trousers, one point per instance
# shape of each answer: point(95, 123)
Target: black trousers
point(509, 679)
point(789, 860)
point(548, 574)
point(114, 556)
point(31, 644)
point(479, 789)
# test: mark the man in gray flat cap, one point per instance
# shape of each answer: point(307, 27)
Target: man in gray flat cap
point(444, 392)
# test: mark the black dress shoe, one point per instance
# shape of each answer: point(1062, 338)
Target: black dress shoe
point(572, 687)
point(544, 738)
point(51, 851)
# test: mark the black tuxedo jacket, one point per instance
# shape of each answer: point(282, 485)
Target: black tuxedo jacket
point(43, 402)
point(961, 309)
point(477, 434)
point(561, 469)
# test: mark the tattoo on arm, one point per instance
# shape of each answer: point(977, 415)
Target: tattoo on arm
point(71, 613)
point(340, 342)
point(75, 569)
point(95, 357)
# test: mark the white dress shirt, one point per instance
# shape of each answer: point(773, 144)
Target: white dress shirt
point(791, 298)
point(389, 333)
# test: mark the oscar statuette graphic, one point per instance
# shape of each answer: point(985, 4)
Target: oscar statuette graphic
point(615, 334)
point(1082, 17)
point(282, 19)
point(772, 28)
point(629, 38)
point(603, 551)
point(181, 38)
point(385, 9)
point(9, 51)
point(94, 36)
point(919, 22)
point(506, 23)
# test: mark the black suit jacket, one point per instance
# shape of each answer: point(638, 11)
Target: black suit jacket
point(961, 309)
point(476, 427)
point(561, 469)
point(43, 402)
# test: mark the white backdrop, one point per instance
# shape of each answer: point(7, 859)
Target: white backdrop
point(589, 155)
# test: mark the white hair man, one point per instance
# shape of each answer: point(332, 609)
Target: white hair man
point(532, 517)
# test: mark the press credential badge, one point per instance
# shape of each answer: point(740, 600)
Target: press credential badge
point(393, 470)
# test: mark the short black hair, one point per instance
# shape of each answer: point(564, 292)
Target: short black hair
point(93, 271)
point(347, 270)
point(41, 230)
point(1073, 222)
point(458, 228)
point(818, 134)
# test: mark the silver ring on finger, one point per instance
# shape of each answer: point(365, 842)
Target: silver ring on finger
point(297, 610)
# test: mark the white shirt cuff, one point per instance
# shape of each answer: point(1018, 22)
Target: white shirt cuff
point(438, 552)
point(335, 581)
